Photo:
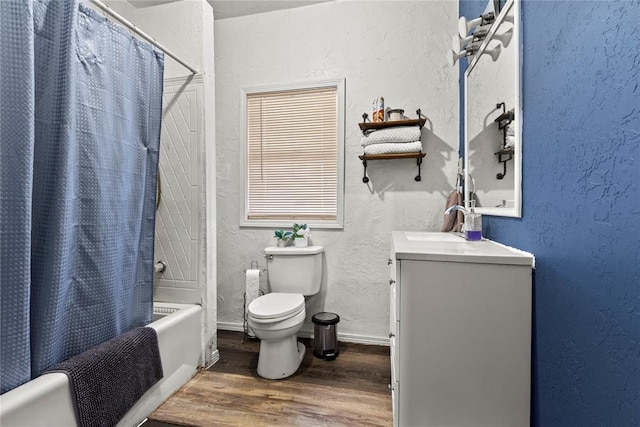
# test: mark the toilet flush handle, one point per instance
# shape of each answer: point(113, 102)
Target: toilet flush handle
point(268, 257)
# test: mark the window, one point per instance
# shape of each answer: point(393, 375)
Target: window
point(293, 155)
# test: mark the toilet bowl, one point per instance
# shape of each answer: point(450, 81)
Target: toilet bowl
point(275, 319)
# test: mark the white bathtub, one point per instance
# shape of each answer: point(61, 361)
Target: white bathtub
point(46, 400)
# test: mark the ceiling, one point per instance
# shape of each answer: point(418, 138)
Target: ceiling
point(223, 9)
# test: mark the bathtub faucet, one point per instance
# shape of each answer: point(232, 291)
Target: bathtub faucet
point(159, 267)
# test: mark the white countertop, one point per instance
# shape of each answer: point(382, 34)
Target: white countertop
point(436, 246)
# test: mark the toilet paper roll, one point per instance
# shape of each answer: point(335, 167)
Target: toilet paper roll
point(252, 289)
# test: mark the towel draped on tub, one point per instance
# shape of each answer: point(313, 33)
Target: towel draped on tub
point(108, 380)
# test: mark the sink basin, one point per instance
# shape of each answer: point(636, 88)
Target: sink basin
point(433, 237)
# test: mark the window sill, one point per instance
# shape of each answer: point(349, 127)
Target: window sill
point(314, 225)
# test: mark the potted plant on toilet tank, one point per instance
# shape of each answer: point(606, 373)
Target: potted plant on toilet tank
point(300, 235)
point(282, 237)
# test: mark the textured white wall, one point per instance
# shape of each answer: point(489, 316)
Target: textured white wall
point(395, 49)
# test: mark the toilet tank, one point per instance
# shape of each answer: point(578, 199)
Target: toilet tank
point(294, 270)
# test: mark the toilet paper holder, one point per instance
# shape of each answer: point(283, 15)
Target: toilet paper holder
point(245, 325)
point(256, 266)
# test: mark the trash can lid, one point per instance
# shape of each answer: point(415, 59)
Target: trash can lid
point(324, 318)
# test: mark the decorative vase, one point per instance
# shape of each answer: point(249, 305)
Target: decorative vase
point(301, 242)
point(282, 243)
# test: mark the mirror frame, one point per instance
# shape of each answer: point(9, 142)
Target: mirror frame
point(516, 211)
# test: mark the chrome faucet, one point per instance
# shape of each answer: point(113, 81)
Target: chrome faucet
point(456, 208)
point(462, 209)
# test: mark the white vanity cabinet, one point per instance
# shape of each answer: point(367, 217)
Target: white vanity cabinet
point(460, 332)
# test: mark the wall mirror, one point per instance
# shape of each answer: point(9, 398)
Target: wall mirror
point(493, 119)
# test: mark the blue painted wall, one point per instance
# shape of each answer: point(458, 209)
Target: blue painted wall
point(581, 207)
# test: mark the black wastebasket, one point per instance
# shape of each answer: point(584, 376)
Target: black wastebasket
point(325, 341)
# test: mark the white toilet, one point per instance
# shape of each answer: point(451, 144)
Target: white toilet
point(276, 317)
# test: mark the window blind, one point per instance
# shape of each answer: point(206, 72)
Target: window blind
point(292, 154)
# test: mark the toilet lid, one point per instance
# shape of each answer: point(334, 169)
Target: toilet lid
point(274, 305)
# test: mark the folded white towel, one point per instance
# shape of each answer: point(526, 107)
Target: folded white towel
point(392, 148)
point(392, 135)
point(510, 137)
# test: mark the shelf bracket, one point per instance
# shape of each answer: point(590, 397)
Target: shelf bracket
point(504, 162)
point(419, 162)
point(365, 178)
point(420, 116)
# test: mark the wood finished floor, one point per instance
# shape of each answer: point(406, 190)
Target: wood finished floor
point(349, 391)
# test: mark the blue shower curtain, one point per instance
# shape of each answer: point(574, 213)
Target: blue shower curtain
point(80, 115)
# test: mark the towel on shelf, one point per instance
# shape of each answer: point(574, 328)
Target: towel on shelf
point(394, 148)
point(108, 380)
point(453, 221)
point(510, 139)
point(391, 135)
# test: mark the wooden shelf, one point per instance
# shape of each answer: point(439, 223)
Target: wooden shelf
point(504, 155)
point(367, 126)
point(504, 151)
point(391, 156)
point(365, 157)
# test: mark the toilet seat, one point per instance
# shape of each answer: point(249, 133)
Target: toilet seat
point(275, 307)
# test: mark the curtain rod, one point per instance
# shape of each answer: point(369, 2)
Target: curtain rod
point(141, 33)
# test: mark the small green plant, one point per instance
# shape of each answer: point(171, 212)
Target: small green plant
point(282, 235)
point(300, 231)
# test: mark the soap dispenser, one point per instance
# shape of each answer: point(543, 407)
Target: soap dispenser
point(472, 223)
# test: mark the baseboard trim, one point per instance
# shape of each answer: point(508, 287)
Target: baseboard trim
point(344, 337)
point(230, 326)
point(363, 339)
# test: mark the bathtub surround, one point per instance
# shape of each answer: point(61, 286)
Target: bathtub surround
point(179, 231)
point(391, 48)
point(89, 183)
point(581, 145)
